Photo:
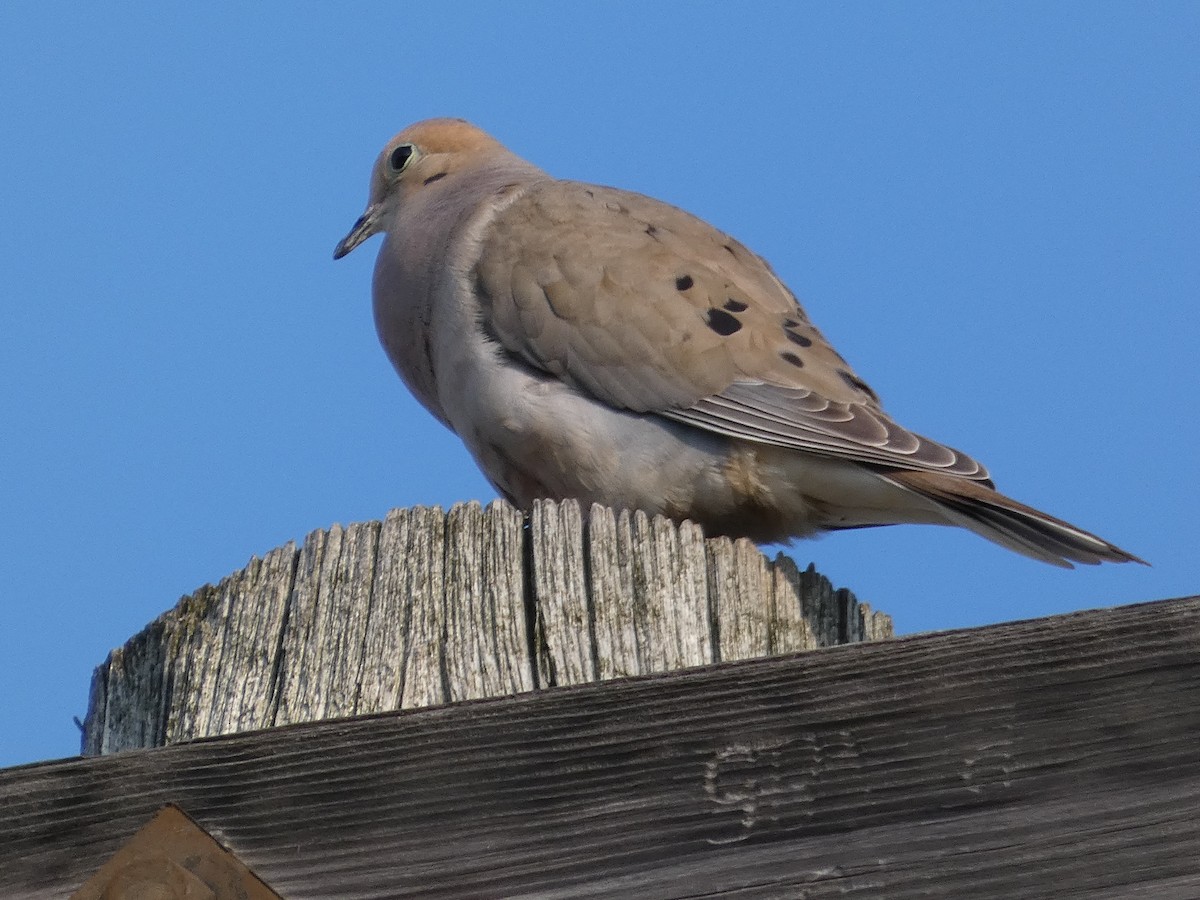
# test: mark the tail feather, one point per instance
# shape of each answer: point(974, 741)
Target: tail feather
point(1009, 523)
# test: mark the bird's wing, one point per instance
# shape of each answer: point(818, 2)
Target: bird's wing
point(649, 309)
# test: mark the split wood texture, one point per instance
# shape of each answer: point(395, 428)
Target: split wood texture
point(1044, 759)
point(429, 607)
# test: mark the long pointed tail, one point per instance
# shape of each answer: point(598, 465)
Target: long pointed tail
point(1011, 524)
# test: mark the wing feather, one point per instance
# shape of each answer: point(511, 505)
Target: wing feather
point(649, 309)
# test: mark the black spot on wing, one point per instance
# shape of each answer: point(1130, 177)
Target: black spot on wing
point(723, 323)
point(798, 339)
point(735, 306)
point(790, 357)
point(683, 282)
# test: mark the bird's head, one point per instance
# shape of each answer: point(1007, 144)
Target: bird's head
point(414, 161)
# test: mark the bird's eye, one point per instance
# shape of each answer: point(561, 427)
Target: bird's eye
point(400, 157)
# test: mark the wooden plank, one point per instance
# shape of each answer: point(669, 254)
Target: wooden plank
point(402, 572)
point(430, 607)
point(558, 575)
point(243, 693)
point(670, 601)
point(740, 583)
point(614, 610)
point(792, 631)
point(128, 696)
point(821, 607)
point(325, 633)
point(418, 573)
point(1050, 758)
point(485, 647)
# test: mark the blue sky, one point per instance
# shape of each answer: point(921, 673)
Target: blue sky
point(991, 209)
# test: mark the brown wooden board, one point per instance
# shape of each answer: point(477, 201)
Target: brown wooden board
point(1052, 758)
point(172, 857)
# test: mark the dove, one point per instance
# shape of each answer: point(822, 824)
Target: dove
point(592, 343)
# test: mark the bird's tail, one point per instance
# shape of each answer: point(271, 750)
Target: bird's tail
point(1011, 524)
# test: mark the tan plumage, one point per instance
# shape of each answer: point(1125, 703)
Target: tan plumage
point(591, 342)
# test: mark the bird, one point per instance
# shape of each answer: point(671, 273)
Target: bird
point(593, 343)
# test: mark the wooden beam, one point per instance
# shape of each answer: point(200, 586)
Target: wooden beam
point(429, 607)
point(1056, 757)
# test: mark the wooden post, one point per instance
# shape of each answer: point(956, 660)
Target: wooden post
point(428, 607)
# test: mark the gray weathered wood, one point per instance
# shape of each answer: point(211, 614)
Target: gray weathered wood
point(1042, 759)
point(420, 575)
point(486, 648)
point(612, 596)
point(558, 570)
point(430, 607)
point(322, 647)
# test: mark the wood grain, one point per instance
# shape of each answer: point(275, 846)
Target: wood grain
point(429, 607)
point(1051, 758)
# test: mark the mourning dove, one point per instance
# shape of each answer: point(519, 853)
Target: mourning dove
point(593, 343)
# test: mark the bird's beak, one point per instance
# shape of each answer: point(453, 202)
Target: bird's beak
point(363, 229)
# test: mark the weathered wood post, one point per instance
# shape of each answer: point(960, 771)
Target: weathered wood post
point(429, 607)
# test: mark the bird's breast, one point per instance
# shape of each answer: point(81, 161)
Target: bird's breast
point(403, 302)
